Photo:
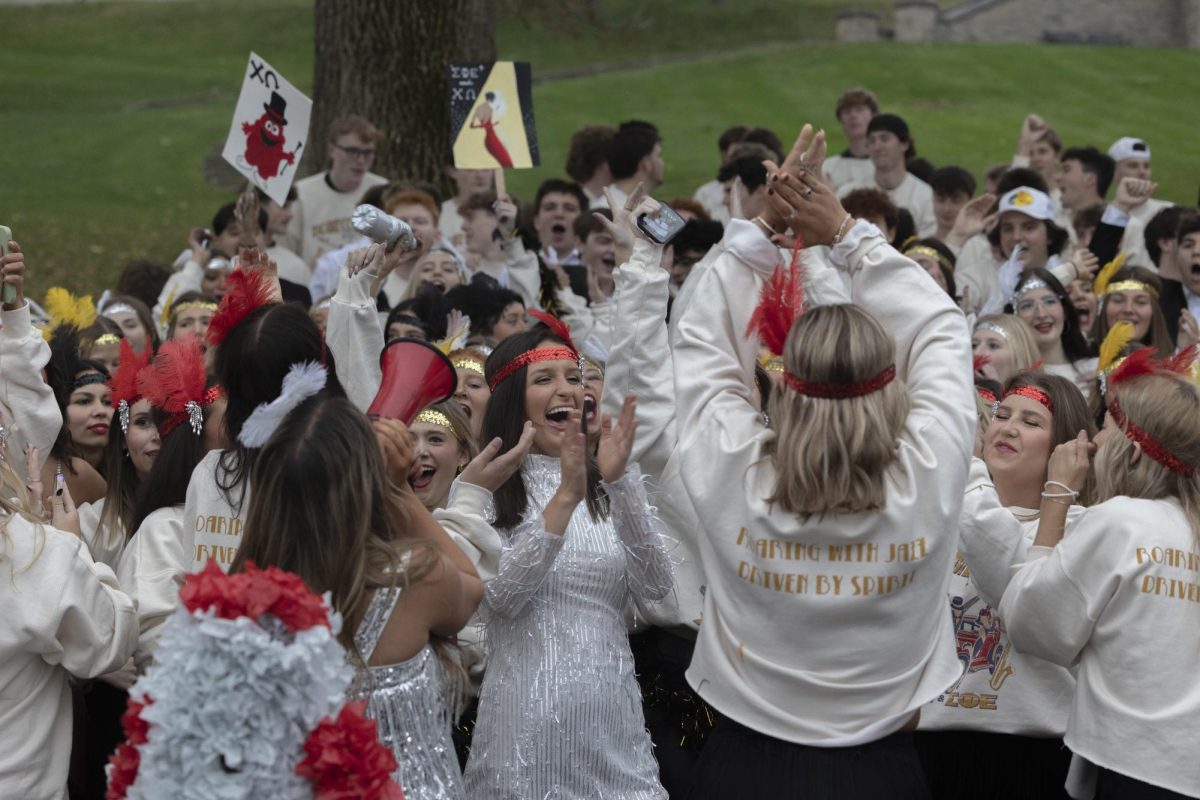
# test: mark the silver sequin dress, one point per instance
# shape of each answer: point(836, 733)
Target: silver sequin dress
point(408, 705)
point(560, 713)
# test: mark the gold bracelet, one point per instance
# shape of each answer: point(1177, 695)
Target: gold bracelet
point(841, 231)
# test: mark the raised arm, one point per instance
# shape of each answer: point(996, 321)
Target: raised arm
point(353, 332)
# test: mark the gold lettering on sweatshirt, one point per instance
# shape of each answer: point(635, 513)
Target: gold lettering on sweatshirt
point(1184, 563)
point(757, 567)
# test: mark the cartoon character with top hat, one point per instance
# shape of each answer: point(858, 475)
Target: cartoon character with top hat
point(265, 139)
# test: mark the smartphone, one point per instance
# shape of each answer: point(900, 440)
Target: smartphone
point(9, 293)
point(662, 227)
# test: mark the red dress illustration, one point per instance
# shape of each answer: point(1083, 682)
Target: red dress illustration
point(491, 142)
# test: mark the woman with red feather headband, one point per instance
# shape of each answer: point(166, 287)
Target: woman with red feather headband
point(188, 410)
point(560, 711)
point(1118, 598)
point(827, 541)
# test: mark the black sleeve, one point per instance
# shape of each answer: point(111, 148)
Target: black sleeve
point(1106, 242)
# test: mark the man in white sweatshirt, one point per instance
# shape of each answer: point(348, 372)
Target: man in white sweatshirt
point(890, 145)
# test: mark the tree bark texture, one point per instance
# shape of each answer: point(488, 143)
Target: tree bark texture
point(387, 60)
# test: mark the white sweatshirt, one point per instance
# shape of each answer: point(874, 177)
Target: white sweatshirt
point(912, 193)
point(152, 570)
point(104, 545)
point(322, 219)
point(355, 338)
point(584, 321)
point(797, 615)
point(63, 615)
point(212, 526)
point(31, 414)
point(1119, 598)
point(1003, 690)
point(840, 170)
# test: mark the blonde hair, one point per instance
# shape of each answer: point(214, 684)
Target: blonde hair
point(831, 456)
point(1166, 407)
point(1018, 334)
point(14, 502)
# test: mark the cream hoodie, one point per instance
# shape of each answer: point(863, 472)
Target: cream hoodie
point(31, 415)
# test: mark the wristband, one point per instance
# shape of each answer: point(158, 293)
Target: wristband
point(1063, 486)
point(759, 220)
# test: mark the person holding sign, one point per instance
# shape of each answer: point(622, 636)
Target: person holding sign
point(1123, 587)
point(827, 543)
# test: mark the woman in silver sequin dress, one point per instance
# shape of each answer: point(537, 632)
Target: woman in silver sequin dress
point(324, 507)
point(560, 714)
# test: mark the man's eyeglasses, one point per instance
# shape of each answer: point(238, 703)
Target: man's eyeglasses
point(356, 152)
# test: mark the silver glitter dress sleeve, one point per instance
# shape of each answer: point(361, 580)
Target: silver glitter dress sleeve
point(524, 564)
point(647, 566)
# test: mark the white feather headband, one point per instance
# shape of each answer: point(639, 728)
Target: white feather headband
point(301, 382)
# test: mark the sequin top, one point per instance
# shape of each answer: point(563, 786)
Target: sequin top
point(560, 714)
point(407, 703)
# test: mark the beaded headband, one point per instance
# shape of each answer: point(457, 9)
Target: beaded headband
point(986, 394)
point(840, 391)
point(557, 353)
point(193, 412)
point(1029, 286)
point(1149, 446)
point(994, 328)
point(106, 338)
point(1031, 393)
point(118, 308)
point(434, 417)
point(923, 250)
point(88, 380)
point(1131, 286)
point(468, 363)
point(201, 304)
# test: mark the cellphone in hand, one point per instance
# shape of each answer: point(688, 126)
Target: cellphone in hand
point(662, 227)
point(9, 293)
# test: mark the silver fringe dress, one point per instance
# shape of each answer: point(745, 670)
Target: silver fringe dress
point(410, 710)
point(560, 713)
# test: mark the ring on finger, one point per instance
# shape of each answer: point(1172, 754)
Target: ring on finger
point(807, 193)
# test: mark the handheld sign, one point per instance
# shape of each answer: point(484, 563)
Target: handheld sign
point(270, 127)
point(491, 116)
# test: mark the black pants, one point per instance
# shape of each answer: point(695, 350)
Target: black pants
point(677, 719)
point(1115, 786)
point(738, 762)
point(972, 765)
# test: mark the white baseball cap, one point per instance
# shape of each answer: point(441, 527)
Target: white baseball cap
point(1028, 201)
point(1129, 147)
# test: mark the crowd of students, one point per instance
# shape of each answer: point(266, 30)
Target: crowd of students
point(869, 483)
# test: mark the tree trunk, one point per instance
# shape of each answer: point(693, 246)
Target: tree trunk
point(388, 62)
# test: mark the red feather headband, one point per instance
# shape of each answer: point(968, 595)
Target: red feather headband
point(174, 383)
point(1139, 364)
point(780, 303)
point(568, 353)
point(247, 291)
point(123, 384)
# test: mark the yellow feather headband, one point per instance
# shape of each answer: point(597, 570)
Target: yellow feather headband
point(1105, 275)
point(65, 308)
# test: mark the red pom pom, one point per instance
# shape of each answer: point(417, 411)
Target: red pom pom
point(252, 593)
point(126, 759)
point(345, 761)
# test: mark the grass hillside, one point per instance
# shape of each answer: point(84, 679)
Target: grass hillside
point(111, 109)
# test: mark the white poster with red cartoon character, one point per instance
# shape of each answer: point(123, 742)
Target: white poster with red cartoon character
point(269, 130)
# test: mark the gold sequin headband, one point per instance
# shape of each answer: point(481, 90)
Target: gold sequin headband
point(922, 250)
point(201, 304)
point(1131, 286)
point(469, 363)
point(434, 417)
point(106, 338)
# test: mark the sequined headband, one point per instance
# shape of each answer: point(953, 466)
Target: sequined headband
point(1029, 286)
point(1148, 444)
point(106, 338)
point(986, 394)
point(88, 380)
point(118, 308)
point(1131, 286)
point(993, 327)
point(193, 412)
point(1031, 393)
point(558, 353)
point(840, 391)
point(201, 304)
point(433, 417)
point(922, 250)
point(468, 363)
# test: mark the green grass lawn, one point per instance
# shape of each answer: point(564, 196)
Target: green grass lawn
point(111, 109)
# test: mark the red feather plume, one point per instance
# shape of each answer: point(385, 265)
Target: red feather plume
point(779, 304)
point(1140, 362)
point(556, 326)
point(123, 384)
point(175, 377)
point(247, 290)
point(1181, 362)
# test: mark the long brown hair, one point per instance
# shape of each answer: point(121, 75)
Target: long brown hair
point(1069, 416)
point(324, 508)
point(831, 456)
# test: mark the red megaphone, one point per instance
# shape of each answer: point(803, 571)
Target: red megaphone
point(415, 375)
